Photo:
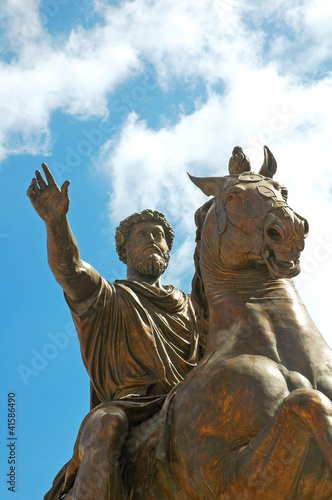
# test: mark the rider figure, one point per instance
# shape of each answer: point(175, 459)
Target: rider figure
point(138, 338)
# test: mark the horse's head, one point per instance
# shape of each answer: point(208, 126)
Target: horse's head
point(249, 220)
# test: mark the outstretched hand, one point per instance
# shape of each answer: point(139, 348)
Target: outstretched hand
point(49, 201)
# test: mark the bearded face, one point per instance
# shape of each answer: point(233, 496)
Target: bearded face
point(146, 250)
point(149, 261)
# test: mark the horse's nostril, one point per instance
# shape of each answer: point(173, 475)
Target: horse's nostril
point(274, 234)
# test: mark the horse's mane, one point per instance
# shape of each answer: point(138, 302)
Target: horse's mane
point(198, 295)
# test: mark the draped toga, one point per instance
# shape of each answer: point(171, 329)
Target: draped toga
point(137, 343)
point(136, 339)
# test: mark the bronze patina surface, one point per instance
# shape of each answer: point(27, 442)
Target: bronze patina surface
point(253, 419)
point(138, 338)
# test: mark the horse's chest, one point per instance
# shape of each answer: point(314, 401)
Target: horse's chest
point(280, 334)
point(295, 380)
point(252, 388)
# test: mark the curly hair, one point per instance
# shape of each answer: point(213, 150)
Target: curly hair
point(123, 230)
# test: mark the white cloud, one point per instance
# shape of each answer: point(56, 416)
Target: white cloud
point(148, 167)
point(32, 89)
point(312, 19)
point(262, 108)
point(302, 41)
point(181, 39)
point(209, 39)
point(74, 75)
point(21, 21)
point(218, 41)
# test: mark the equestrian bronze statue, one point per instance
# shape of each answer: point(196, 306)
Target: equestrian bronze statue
point(253, 419)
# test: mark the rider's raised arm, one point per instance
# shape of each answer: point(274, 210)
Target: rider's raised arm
point(77, 278)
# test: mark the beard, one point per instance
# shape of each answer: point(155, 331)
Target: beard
point(148, 264)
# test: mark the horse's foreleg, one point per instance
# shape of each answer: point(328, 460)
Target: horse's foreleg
point(269, 466)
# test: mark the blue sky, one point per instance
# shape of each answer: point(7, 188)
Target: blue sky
point(123, 98)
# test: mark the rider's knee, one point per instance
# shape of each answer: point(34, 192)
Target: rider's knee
point(105, 423)
point(309, 402)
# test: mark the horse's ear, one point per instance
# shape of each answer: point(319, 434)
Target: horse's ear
point(211, 186)
point(269, 166)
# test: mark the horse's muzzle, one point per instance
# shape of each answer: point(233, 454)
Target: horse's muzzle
point(284, 234)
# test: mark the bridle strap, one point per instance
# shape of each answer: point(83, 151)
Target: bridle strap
point(276, 204)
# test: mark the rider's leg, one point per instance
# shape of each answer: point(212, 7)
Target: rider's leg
point(100, 445)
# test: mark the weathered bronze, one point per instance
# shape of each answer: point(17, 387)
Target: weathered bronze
point(253, 419)
point(138, 339)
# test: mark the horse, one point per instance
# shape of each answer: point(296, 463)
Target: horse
point(253, 420)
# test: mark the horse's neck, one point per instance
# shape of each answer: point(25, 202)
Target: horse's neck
point(230, 294)
point(250, 312)
point(227, 290)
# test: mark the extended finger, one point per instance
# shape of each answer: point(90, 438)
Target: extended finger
point(30, 191)
point(33, 189)
point(40, 180)
point(35, 186)
point(64, 188)
point(48, 175)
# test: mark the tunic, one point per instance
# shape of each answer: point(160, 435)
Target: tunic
point(137, 343)
point(136, 339)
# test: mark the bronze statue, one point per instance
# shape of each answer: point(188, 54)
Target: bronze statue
point(253, 420)
point(138, 338)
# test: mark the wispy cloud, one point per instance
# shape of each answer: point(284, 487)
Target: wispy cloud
point(213, 40)
point(147, 168)
point(264, 68)
point(76, 74)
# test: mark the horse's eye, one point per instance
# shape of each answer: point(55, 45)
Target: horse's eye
point(284, 193)
point(231, 197)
